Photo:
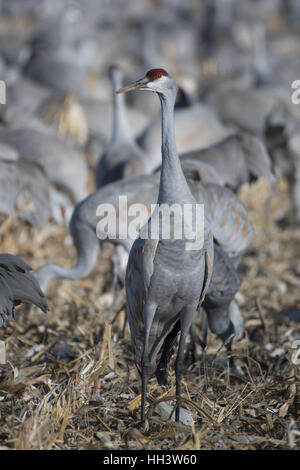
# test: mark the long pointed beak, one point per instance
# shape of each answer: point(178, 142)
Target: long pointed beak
point(134, 86)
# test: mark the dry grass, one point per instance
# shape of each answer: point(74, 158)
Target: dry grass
point(70, 383)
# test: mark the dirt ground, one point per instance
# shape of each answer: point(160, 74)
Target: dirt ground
point(69, 381)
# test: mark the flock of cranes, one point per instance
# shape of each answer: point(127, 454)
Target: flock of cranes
point(186, 156)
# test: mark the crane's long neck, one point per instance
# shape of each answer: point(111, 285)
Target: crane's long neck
point(173, 186)
point(120, 127)
point(87, 248)
point(260, 57)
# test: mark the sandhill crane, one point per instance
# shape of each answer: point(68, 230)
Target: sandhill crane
point(273, 118)
point(64, 166)
point(219, 301)
point(26, 93)
point(122, 157)
point(52, 62)
point(227, 215)
point(237, 159)
point(228, 218)
point(99, 117)
point(230, 246)
point(16, 117)
point(24, 188)
point(268, 109)
point(17, 285)
point(57, 73)
point(164, 281)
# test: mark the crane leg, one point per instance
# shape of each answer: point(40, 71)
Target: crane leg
point(148, 315)
point(186, 320)
point(231, 358)
point(178, 371)
point(144, 394)
point(227, 337)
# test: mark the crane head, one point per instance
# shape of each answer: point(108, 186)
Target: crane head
point(156, 80)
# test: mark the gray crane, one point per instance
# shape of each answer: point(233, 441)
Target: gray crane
point(54, 72)
point(229, 221)
point(24, 188)
point(272, 117)
point(223, 315)
point(17, 285)
point(228, 218)
point(122, 157)
point(269, 110)
point(164, 281)
point(15, 116)
point(227, 215)
point(64, 166)
point(51, 62)
point(237, 159)
point(26, 93)
point(83, 223)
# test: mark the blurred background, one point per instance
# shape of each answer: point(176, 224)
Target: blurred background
point(48, 49)
point(193, 39)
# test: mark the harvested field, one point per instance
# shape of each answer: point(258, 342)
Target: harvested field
point(70, 381)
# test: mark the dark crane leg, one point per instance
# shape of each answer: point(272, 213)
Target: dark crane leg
point(187, 316)
point(148, 315)
point(178, 372)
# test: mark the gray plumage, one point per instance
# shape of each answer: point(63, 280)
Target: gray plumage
point(24, 190)
point(58, 74)
point(227, 215)
point(228, 218)
point(64, 166)
point(236, 159)
point(83, 224)
point(225, 283)
point(17, 285)
point(53, 61)
point(26, 94)
point(271, 116)
point(165, 282)
point(196, 170)
point(230, 226)
point(267, 109)
point(122, 157)
point(15, 117)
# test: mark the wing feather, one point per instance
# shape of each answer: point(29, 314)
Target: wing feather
point(17, 284)
point(139, 271)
